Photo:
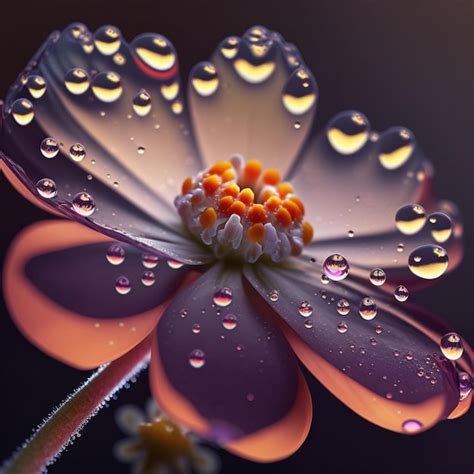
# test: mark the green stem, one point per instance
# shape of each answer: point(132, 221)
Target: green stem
point(54, 434)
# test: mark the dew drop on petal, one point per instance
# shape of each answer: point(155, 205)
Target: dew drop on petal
point(343, 307)
point(299, 93)
point(107, 86)
point(196, 329)
point(342, 327)
point(115, 254)
point(378, 329)
point(410, 219)
point(154, 51)
point(122, 285)
point(229, 322)
point(400, 248)
point(46, 188)
point(148, 278)
point(348, 132)
point(325, 279)
point(204, 79)
point(22, 111)
point(308, 324)
point(83, 204)
point(174, 264)
point(49, 148)
point(396, 146)
point(465, 385)
point(223, 297)
point(77, 152)
point(401, 293)
point(197, 358)
point(119, 59)
point(107, 40)
point(428, 261)
point(336, 267)
point(411, 426)
point(77, 81)
point(36, 86)
point(367, 308)
point(350, 234)
point(149, 260)
point(305, 309)
point(229, 47)
point(274, 295)
point(441, 226)
point(377, 277)
point(451, 346)
point(142, 103)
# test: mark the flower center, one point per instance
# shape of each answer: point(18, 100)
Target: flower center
point(238, 208)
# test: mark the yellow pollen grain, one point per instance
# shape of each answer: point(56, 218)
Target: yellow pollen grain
point(273, 203)
point(208, 217)
point(266, 193)
point(256, 233)
point(257, 213)
point(284, 217)
point(211, 184)
point(225, 202)
point(246, 196)
point(308, 233)
point(284, 189)
point(232, 189)
point(271, 176)
point(187, 185)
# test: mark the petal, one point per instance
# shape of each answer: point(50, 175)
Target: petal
point(249, 394)
point(387, 370)
point(60, 291)
point(238, 101)
point(127, 167)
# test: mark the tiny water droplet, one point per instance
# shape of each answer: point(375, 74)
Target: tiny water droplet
point(325, 279)
point(49, 147)
point(141, 150)
point(122, 285)
point(77, 152)
point(36, 86)
point(401, 293)
point(83, 204)
point(300, 92)
point(411, 426)
point(46, 188)
point(465, 385)
point(396, 146)
point(22, 111)
point(305, 309)
point(367, 308)
point(142, 103)
point(377, 277)
point(115, 254)
point(174, 264)
point(196, 329)
point(229, 322)
point(149, 260)
point(308, 324)
point(274, 295)
point(336, 267)
point(410, 219)
point(107, 86)
point(77, 81)
point(451, 346)
point(197, 358)
point(342, 327)
point(343, 307)
point(223, 297)
point(441, 226)
point(148, 278)
point(204, 79)
point(348, 132)
point(107, 40)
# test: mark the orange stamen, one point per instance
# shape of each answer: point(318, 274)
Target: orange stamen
point(256, 233)
point(284, 217)
point(247, 196)
point(208, 217)
point(284, 189)
point(271, 176)
point(257, 213)
point(308, 233)
point(187, 185)
point(220, 167)
point(238, 207)
point(211, 184)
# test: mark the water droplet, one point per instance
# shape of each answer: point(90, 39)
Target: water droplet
point(115, 254)
point(46, 188)
point(196, 329)
point(348, 132)
point(36, 86)
point(122, 285)
point(83, 204)
point(400, 248)
point(343, 307)
point(401, 293)
point(174, 264)
point(223, 297)
point(204, 79)
point(142, 103)
point(149, 260)
point(170, 90)
point(141, 150)
point(377, 277)
point(465, 385)
point(367, 308)
point(305, 309)
point(342, 327)
point(428, 261)
point(49, 148)
point(177, 107)
point(107, 86)
point(308, 324)
point(197, 358)
point(229, 47)
point(22, 111)
point(148, 278)
point(396, 145)
point(350, 234)
point(378, 329)
point(77, 81)
point(299, 93)
point(441, 226)
point(325, 279)
point(410, 219)
point(274, 295)
point(411, 426)
point(107, 40)
point(154, 51)
point(297, 125)
point(77, 152)
point(119, 59)
point(336, 267)
point(229, 322)
point(255, 62)
point(451, 346)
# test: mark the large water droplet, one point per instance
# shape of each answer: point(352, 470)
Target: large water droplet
point(197, 358)
point(367, 308)
point(22, 111)
point(410, 219)
point(223, 297)
point(377, 277)
point(36, 86)
point(142, 103)
point(204, 79)
point(451, 346)
point(230, 322)
point(77, 152)
point(155, 51)
point(411, 426)
point(122, 285)
point(348, 132)
point(77, 81)
point(149, 260)
point(115, 254)
point(305, 309)
point(401, 293)
point(299, 93)
point(336, 267)
point(46, 188)
point(441, 226)
point(428, 261)
point(49, 148)
point(255, 62)
point(465, 385)
point(107, 86)
point(83, 204)
point(396, 145)
point(343, 307)
point(148, 278)
point(107, 40)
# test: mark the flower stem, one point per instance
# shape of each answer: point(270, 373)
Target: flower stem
point(54, 434)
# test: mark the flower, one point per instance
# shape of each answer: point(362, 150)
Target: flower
point(156, 444)
point(189, 240)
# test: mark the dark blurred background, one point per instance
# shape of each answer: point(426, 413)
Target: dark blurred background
point(405, 63)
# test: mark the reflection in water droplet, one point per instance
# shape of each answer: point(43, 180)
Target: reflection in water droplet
point(115, 254)
point(142, 103)
point(441, 226)
point(274, 295)
point(343, 307)
point(148, 278)
point(122, 285)
point(348, 132)
point(149, 260)
point(141, 150)
point(174, 264)
point(451, 346)
point(197, 358)
point(342, 327)
point(22, 111)
point(325, 279)
point(170, 90)
point(308, 324)
point(204, 79)
point(83, 204)
point(119, 59)
point(36, 86)
point(411, 426)
point(428, 261)
point(229, 322)
point(305, 309)
point(255, 62)
point(367, 308)
point(350, 234)
point(410, 219)
point(177, 107)
point(336, 267)
point(49, 148)
point(396, 145)
point(196, 329)
point(107, 86)
point(77, 81)
point(401, 293)
point(223, 297)
point(155, 51)
point(229, 47)
point(465, 385)
point(377, 277)
point(77, 152)
point(299, 93)
point(46, 188)
point(107, 40)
